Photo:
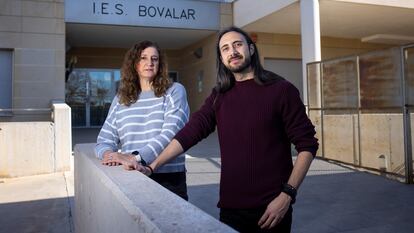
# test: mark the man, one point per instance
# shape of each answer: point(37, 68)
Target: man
point(258, 115)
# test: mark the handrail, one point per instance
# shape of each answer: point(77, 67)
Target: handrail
point(25, 109)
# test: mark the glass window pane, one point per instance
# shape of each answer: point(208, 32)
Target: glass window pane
point(314, 90)
point(380, 80)
point(340, 82)
point(76, 96)
point(6, 67)
point(409, 74)
point(100, 96)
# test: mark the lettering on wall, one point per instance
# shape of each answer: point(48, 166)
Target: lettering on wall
point(161, 13)
point(106, 8)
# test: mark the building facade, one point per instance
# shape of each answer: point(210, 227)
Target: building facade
point(72, 50)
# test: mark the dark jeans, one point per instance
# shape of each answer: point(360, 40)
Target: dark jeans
point(175, 182)
point(245, 220)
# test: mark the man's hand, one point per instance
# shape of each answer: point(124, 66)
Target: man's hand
point(129, 162)
point(144, 169)
point(275, 211)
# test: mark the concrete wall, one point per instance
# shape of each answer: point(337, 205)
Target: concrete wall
point(31, 148)
point(35, 31)
point(340, 137)
point(376, 141)
point(111, 199)
point(382, 134)
point(26, 148)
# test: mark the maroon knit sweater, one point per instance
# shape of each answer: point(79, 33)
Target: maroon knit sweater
point(256, 124)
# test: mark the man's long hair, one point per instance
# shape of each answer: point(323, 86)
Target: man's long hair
point(130, 88)
point(225, 78)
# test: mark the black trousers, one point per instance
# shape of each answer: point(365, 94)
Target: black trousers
point(246, 220)
point(176, 182)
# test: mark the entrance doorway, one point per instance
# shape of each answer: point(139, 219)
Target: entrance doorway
point(89, 92)
point(290, 69)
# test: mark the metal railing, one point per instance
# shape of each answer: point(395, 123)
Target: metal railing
point(365, 88)
point(25, 114)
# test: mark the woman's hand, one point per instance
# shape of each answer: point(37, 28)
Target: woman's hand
point(111, 159)
point(129, 162)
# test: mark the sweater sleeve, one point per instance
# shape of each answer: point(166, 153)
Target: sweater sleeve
point(175, 117)
point(108, 138)
point(298, 127)
point(201, 124)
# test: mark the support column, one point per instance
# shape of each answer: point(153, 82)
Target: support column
point(311, 38)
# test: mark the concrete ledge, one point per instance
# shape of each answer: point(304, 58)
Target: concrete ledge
point(63, 135)
point(111, 199)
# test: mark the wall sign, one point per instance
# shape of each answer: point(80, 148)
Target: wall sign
point(160, 13)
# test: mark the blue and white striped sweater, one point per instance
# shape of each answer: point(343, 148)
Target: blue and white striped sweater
point(146, 126)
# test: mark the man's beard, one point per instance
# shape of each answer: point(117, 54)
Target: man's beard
point(240, 68)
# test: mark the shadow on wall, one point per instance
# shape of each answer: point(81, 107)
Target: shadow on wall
point(50, 215)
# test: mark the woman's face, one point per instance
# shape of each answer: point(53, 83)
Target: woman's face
point(147, 66)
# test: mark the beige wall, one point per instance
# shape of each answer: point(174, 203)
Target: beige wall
point(289, 46)
point(35, 31)
point(108, 58)
point(112, 58)
point(269, 45)
point(188, 66)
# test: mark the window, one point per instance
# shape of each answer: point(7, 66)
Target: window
point(173, 75)
point(6, 68)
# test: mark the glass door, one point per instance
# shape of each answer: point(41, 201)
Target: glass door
point(102, 91)
point(89, 92)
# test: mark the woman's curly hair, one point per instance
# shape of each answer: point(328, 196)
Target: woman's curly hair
point(130, 88)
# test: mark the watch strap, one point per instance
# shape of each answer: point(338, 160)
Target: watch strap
point(291, 191)
point(139, 158)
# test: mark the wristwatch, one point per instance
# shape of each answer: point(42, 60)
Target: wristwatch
point(139, 158)
point(289, 190)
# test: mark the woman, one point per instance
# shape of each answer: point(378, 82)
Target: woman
point(144, 117)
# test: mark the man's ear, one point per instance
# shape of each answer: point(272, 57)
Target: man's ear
point(251, 48)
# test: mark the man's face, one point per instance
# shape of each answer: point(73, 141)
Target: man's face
point(235, 52)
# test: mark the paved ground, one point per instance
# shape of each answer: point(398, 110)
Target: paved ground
point(331, 199)
point(39, 203)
